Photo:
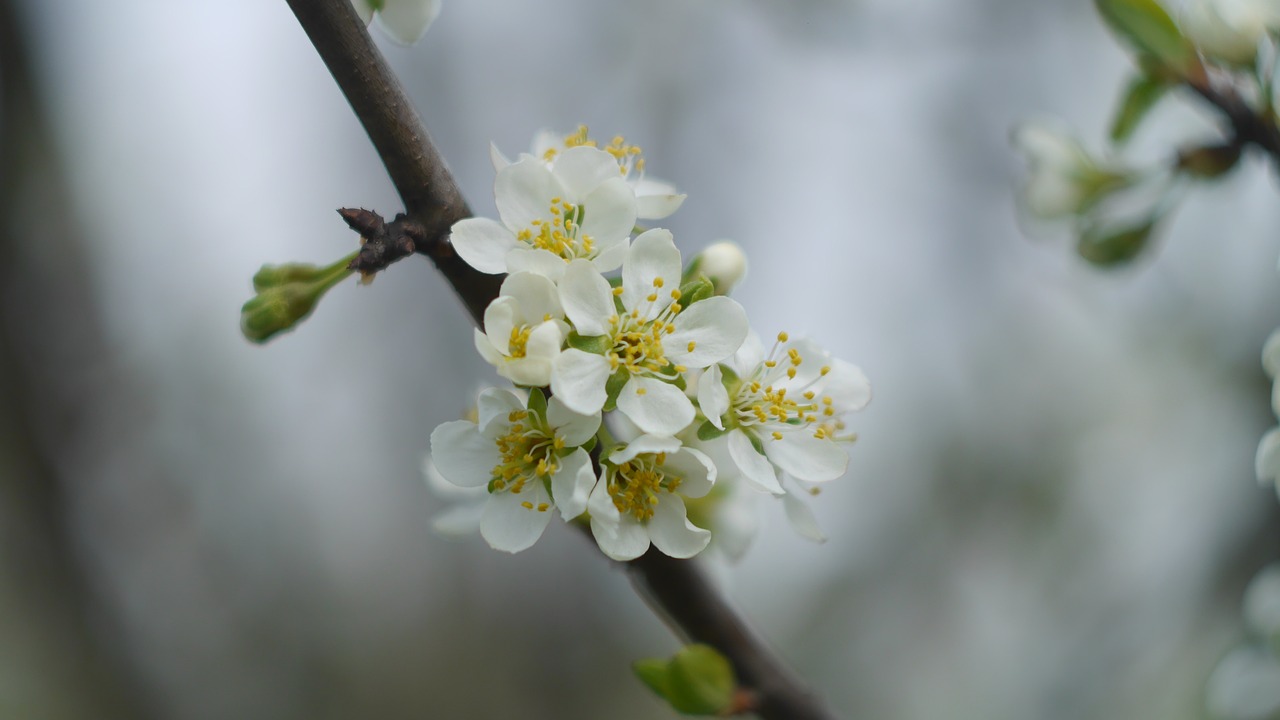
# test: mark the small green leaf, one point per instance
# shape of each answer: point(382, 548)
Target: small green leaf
point(707, 431)
point(1140, 96)
point(613, 388)
point(1147, 27)
point(756, 443)
point(1209, 162)
point(700, 681)
point(594, 344)
point(652, 672)
point(1109, 248)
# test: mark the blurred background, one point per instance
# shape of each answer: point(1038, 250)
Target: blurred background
point(1051, 512)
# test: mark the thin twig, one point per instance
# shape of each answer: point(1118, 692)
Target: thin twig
point(676, 589)
point(1248, 127)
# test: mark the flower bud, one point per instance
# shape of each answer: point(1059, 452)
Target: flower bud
point(1230, 30)
point(1062, 178)
point(270, 276)
point(723, 263)
point(286, 295)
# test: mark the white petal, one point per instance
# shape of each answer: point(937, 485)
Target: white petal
point(496, 157)
point(621, 541)
point(408, 20)
point(671, 531)
point(754, 466)
point(535, 295)
point(847, 386)
point(657, 407)
point(483, 244)
point(500, 318)
point(610, 213)
point(717, 326)
point(1267, 461)
point(653, 255)
point(657, 207)
point(713, 398)
point(578, 378)
point(523, 258)
point(609, 257)
point(508, 525)
point(574, 428)
point(587, 298)
point(802, 518)
point(534, 369)
point(696, 471)
point(806, 457)
point(600, 503)
point(486, 349)
point(736, 522)
point(582, 169)
point(644, 445)
point(523, 193)
point(572, 484)
point(493, 408)
point(462, 455)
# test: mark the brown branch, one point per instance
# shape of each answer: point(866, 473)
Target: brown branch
point(1248, 127)
point(431, 197)
point(676, 589)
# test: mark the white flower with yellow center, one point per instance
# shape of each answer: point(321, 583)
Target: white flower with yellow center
point(783, 412)
point(637, 354)
point(655, 199)
point(639, 499)
point(579, 208)
point(524, 328)
point(530, 458)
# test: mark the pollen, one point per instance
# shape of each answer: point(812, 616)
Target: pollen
point(617, 290)
point(658, 282)
point(641, 391)
point(783, 337)
point(692, 344)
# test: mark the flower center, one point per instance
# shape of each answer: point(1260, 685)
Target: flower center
point(527, 454)
point(635, 484)
point(637, 342)
point(561, 234)
point(519, 340)
point(629, 157)
point(759, 402)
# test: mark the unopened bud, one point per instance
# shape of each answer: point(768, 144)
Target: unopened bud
point(1107, 248)
point(271, 276)
point(286, 295)
point(1229, 32)
point(723, 263)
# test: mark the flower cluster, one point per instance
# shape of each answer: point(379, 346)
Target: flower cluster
point(642, 396)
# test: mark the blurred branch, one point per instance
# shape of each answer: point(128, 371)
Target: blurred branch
point(1248, 127)
point(676, 589)
point(49, 327)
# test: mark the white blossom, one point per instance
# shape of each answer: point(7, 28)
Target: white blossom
point(784, 411)
point(655, 199)
point(1230, 30)
point(644, 349)
point(639, 499)
point(529, 457)
point(1062, 178)
point(724, 264)
point(580, 208)
point(523, 329)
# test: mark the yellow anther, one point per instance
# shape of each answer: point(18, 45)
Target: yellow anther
point(526, 505)
point(641, 391)
point(771, 363)
point(782, 337)
point(653, 297)
point(826, 400)
point(808, 394)
point(542, 507)
point(777, 435)
point(692, 344)
point(681, 368)
point(617, 290)
point(675, 293)
point(791, 372)
point(658, 282)
point(825, 369)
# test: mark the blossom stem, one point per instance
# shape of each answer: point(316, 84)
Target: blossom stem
point(677, 590)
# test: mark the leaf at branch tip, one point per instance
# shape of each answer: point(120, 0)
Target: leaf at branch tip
point(1148, 29)
point(1140, 96)
point(1112, 247)
point(697, 681)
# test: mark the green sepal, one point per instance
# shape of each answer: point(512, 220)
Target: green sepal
point(692, 271)
point(615, 282)
point(697, 681)
point(729, 378)
point(756, 443)
point(695, 290)
point(707, 431)
point(1111, 248)
point(613, 388)
point(589, 445)
point(1147, 27)
point(1139, 97)
point(537, 403)
point(594, 344)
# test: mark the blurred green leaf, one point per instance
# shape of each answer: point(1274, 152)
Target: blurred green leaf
point(707, 431)
point(1140, 96)
point(1110, 247)
point(697, 681)
point(1147, 27)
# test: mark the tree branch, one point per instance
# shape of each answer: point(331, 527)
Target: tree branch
point(676, 589)
point(1248, 127)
